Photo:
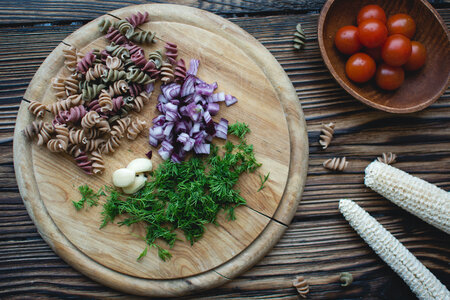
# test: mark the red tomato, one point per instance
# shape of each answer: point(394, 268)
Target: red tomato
point(417, 58)
point(375, 53)
point(389, 78)
point(371, 11)
point(397, 50)
point(402, 24)
point(372, 33)
point(360, 67)
point(347, 40)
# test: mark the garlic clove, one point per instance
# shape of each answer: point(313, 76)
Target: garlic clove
point(140, 165)
point(138, 183)
point(123, 177)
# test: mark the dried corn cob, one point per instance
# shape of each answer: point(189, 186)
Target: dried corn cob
point(421, 281)
point(414, 195)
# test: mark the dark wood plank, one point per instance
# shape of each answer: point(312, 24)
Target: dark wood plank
point(55, 11)
point(319, 244)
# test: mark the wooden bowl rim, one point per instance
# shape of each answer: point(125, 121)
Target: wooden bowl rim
point(351, 91)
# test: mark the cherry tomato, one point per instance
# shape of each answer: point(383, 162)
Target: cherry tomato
point(389, 78)
point(347, 40)
point(402, 24)
point(417, 58)
point(397, 50)
point(360, 67)
point(372, 11)
point(372, 33)
point(375, 53)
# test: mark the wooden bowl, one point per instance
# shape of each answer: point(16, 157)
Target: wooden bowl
point(420, 88)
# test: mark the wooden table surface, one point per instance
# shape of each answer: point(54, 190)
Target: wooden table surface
point(319, 243)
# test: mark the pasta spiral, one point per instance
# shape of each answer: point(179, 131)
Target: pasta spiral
point(140, 101)
point(137, 19)
point(77, 136)
point(104, 25)
point(135, 89)
point(299, 37)
point(171, 52)
point(37, 109)
point(93, 144)
point(54, 145)
point(118, 51)
point(157, 58)
point(95, 72)
point(143, 37)
point(135, 128)
point(33, 129)
point(111, 144)
point(387, 158)
point(72, 85)
point(117, 104)
point(167, 73)
point(71, 59)
point(98, 165)
point(327, 135)
point(115, 36)
point(91, 133)
point(105, 101)
point(113, 75)
point(59, 106)
point(180, 71)
point(136, 75)
point(76, 113)
point(83, 162)
point(120, 127)
point(103, 126)
point(133, 48)
point(59, 86)
point(118, 88)
point(87, 61)
point(336, 164)
point(89, 92)
point(90, 119)
point(124, 28)
point(62, 135)
point(114, 63)
point(301, 285)
point(44, 134)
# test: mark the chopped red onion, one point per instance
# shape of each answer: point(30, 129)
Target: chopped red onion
point(165, 151)
point(213, 108)
point(202, 148)
point(193, 67)
point(216, 97)
point(149, 87)
point(222, 129)
point(159, 120)
point(171, 91)
point(162, 99)
point(207, 117)
point(188, 86)
point(205, 89)
point(149, 154)
point(230, 100)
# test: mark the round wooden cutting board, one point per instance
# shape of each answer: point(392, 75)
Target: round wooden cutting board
point(267, 102)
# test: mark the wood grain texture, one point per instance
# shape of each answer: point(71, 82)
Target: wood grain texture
point(318, 244)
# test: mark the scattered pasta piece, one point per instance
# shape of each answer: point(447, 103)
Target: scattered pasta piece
point(37, 109)
point(336, 164)
point(387, 158)
point(301, 285)
point(346, 278)
point(299, 37)
point(327, 135)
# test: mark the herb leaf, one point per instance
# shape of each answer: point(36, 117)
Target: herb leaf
point(87, 196)
point(263, 180)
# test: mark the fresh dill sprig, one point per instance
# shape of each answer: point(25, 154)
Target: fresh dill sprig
point(263, 180)
point(185, 196)
point(88, 196)
point(238, 129)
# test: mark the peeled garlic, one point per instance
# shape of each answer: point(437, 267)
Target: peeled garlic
point(123, 177)
point(138, 183)
point(140, 165)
